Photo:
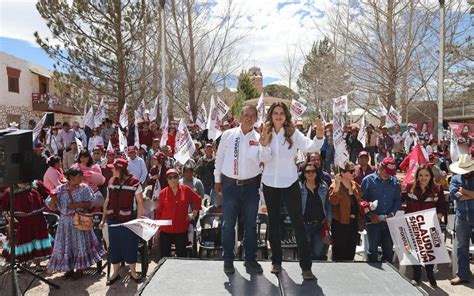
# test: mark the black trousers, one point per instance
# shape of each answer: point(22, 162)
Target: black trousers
point(345, 238)
point(417, 272)
point(291, 196)
point(178, 239)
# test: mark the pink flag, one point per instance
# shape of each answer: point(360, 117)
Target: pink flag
point(411, 163)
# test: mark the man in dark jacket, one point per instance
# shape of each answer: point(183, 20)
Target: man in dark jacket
point(39, 162)
point(205, 169)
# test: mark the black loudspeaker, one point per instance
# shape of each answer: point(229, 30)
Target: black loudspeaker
point(49, 119)
point(16, 156)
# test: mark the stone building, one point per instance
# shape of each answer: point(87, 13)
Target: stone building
point(27, 91)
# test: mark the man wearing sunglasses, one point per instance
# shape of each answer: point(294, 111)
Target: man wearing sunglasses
point(384, 187)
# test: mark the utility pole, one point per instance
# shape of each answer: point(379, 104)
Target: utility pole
point(441, 70)
point(164, 100)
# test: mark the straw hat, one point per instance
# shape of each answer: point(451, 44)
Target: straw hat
point(464, 165)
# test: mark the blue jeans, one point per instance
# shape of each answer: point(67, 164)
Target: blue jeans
point(314, 238)
point(464, 226)
point(242, 199)
point(378, 234)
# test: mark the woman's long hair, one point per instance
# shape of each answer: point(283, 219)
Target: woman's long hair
point(288, 126)
point(431, 184)
point(85, 153)
point(124, 174)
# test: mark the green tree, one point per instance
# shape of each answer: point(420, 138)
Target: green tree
point(322, 77)
point(280, 91)
point(246, 90)
point(100, 44)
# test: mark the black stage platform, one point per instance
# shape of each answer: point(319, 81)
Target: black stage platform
point(206, 277)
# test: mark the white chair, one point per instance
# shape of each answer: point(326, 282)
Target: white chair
point(364, 245)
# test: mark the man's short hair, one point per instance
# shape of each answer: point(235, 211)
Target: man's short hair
point(253, 107)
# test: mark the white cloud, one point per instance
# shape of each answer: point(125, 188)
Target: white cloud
point(19, 19)
point(272, 25)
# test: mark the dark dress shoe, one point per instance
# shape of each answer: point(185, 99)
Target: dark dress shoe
point(137, 280)
point(229, 267)
point(276, 269)
point(112, 281)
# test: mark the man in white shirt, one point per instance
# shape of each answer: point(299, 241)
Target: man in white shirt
point(79, 133)
point(136, 165)
point(237, 176)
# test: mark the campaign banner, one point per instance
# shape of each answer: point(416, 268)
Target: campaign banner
point(201, 117)
point(362, 134)
point(154, 110)
point(458, 127)
point(123, 118)
point(222, 109)
point(411, 163)
point(339, 105)
point(382, 110)
point(393, 117)
point(144, 227)
point(297, 109)
point(418, 238)
point(185, 147)
point(38, 127)
point(213, 125)
point(341, 155)
point(99, 114)
point(89, 118)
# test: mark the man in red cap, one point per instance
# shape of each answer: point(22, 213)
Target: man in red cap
point(363, 169)
point(173, 204)
point(384, 187)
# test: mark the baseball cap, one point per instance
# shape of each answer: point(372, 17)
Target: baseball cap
point(156, 139)
point(159, 156)
point(39, 146)
point(363, 153)
point(171, 172)
point(389, 165)
point(119, 164)
point(144, 147)
point(132, 149)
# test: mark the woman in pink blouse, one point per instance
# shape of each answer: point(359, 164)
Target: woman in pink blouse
point(54, 175)
point(92, 175)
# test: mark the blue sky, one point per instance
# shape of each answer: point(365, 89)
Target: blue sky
point(271, 26)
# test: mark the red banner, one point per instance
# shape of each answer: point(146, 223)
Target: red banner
point(458, 127)
point(411, 163)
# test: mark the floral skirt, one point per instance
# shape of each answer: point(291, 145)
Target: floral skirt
point(73, 248)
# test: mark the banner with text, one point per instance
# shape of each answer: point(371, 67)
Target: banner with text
point(418, 238)
point(297, 109)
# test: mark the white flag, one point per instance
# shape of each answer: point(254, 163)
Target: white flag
point(453, 147)
point(164, 135)
point(154, 110)
point(122, 141)
point(362, 135)
point(84, 115)
point(222, 109)
point(340, 154)
point(110, 147)
point(323, 117)
point(418, 238)
point(123, 119)
point(80, 146)
point(339, 105)
point(213, 131)
point(393, 117)
point(39, 126)
point(297, 108)
point(382, 110)
point(308, 133)
point(144, 227)
point(164, 114)
point(89, 118)
point(260, 111)
point(140, 111)
point(202, 117)
point(137, 135)
point(185, 147)
point(99, 114)
point(190, 114)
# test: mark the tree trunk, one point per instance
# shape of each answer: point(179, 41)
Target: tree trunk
point(392, 66)
point(117, 17)
point(192, 63)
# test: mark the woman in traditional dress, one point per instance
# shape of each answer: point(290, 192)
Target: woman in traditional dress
point(32, 239)
point(74, 249)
